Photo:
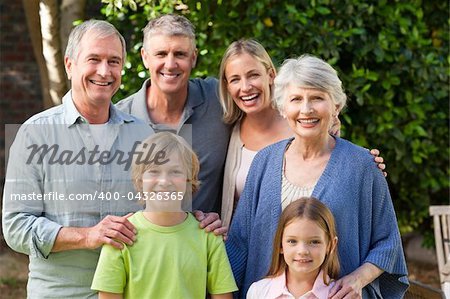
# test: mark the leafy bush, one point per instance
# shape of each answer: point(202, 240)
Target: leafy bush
point(392, 56)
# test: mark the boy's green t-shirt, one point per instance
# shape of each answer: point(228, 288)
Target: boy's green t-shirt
point(181, 261)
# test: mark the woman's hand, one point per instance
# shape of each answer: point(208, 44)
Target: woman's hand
point(348, 287)
point(335, 129)
point(379, 160)
point(351, 285)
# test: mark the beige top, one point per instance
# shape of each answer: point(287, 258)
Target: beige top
point(232, 165)
point(247, 157)
point(291, 192)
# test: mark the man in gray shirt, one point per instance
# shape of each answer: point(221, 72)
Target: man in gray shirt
point(169, 100)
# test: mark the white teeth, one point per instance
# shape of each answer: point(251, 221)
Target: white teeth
point(101, 83)
point(303, 261)
point(308, 121)
point(170, 75)
point(250, 97)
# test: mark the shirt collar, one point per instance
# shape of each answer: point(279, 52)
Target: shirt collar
point(320, 289)
point(278, 287)
point(195, 98)
point(71, 113)
point(73, 116)
point(139, 107)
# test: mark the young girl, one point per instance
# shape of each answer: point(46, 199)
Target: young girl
point(172, 257)
point(304, 260)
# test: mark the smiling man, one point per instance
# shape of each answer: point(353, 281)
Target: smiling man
point(78, 204)
point(94, 66)
point(169, 100)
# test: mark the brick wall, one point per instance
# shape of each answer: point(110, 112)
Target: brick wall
point(20, 86)
point(20, 89)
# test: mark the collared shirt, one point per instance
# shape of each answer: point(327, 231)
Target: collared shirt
point(275, 288)
point(56, 177)
point(201, 125)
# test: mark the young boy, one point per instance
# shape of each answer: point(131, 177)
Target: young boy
point(172, 257)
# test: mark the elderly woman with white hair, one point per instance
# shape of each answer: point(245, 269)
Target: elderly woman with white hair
point(309, 94)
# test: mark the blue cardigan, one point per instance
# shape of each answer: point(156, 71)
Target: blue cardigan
point(358, 196)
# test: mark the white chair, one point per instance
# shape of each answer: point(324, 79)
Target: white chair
point(441, 220)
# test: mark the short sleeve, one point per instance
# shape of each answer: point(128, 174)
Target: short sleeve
point(220, 278)
point(110, 275)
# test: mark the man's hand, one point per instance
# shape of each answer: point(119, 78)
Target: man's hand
point(211, 223)
point(111, 230)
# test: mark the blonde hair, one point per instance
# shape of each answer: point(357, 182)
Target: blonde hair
point(168, 143)
point(312, 209)
point(232, 113)
point(309, 72)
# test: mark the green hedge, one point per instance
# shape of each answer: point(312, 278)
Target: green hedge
point(393, 58)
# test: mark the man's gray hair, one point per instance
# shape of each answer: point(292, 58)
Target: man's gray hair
point(102, 28)
point(170, 25)
point(308, 71)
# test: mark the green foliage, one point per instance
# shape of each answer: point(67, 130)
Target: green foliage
point(392, 56)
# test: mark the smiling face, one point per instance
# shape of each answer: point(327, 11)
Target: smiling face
point(169, 180)
point(309, 111)
point(248, 83)
point(95, 72)
point(304, 247)
point(170, 60)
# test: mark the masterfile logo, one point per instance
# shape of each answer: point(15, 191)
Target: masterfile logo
point(55, 155)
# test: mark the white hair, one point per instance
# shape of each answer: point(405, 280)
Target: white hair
point(102, 28)
point(309, 72)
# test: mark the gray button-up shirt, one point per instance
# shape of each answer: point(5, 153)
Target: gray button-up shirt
point(202, 126)
point(57, 177)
